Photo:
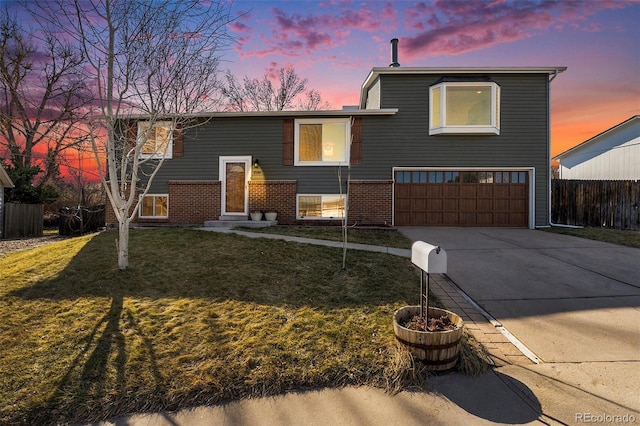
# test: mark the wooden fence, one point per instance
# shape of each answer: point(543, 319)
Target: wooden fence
point(23, 220)
point(596, 203)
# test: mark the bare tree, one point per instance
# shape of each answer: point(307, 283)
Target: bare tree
point(261, 95)
point(42, 96)
point(151, 61)
point(312, 101)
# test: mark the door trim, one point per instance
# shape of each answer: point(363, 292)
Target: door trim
point(246, 159)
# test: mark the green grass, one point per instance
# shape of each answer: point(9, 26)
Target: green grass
point(199, 318)
point(615, 236)
point(378, 237)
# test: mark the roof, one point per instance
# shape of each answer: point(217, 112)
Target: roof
point(376, 72)
point(319, 113)
point(5, 179)
point(597, 137)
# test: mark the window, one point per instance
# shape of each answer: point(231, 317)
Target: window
point(321, 206)
point(451, 177)
point(464, 107)
point(159, 139)
point(154, 206)
point(322, 142)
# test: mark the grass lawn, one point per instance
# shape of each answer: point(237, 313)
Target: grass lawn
point(199, 318)
point(615, 236)
point(377, 237)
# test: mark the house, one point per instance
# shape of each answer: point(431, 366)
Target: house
point(611, 155)
point(5, 182)
point(426, 146)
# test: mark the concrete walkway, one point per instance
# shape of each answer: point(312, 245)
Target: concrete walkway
point(559, 315)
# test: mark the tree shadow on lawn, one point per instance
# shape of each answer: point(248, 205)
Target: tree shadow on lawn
point(218, 267)
point(185, 270)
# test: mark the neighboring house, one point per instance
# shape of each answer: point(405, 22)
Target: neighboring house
point(426, 146)
point(5, 182)
point(611, 155)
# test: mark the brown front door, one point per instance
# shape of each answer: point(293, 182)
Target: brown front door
point(234, 173)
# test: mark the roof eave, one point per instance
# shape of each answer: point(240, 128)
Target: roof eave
point(595, 138)
point(292, 114)
point(376, 71)
point(5, 179)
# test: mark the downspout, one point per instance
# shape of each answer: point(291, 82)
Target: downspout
point(555, 74)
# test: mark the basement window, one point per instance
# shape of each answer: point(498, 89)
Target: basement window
point(320, 206)
point(154, 207)
point(464, 107)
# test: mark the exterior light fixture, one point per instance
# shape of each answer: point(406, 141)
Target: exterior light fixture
point(255, 163)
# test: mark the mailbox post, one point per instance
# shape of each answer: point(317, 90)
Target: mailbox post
point(430, 259)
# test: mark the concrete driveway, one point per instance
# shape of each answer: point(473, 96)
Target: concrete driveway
point(548, 288)
point(573, 302)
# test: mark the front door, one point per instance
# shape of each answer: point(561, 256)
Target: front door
point(234, 176)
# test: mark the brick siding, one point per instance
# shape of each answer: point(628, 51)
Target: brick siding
point(192, 202)
point(371, 202)
point(274, 195)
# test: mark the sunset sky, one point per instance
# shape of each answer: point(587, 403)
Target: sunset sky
point(336, 43)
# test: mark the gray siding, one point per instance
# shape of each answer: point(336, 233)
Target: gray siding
point(404, 140)
point(258, 137)
point(387, 141)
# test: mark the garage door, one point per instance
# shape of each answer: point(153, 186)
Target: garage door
point(461, 198)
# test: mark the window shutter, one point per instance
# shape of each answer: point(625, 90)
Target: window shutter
point(178, 141)
point(356, 141)
point(287, 142)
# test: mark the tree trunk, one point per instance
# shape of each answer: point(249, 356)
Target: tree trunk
point(123, 244)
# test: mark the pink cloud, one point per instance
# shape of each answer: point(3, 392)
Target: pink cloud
point(243, 31)
point(239, 27)
point(316, 31)
point(454, 27)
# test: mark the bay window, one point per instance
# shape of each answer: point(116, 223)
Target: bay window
point(464, 107)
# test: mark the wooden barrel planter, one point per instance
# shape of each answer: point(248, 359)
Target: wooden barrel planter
point(438, 350)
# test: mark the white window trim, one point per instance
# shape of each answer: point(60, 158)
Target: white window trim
point(344, 196)
point(153, 217)
point(296, 143)
point(492, 129)
point(142, 140)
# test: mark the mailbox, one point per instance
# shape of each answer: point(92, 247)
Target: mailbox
point(429, 258)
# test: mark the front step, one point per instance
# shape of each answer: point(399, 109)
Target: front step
point(233, 223)
point(233, 217)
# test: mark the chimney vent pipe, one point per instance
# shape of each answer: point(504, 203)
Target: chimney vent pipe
point(394, 53)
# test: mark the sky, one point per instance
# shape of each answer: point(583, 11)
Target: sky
point(334, 44)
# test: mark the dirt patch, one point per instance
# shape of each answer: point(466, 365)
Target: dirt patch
point(442, 323)
point(11, 246)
